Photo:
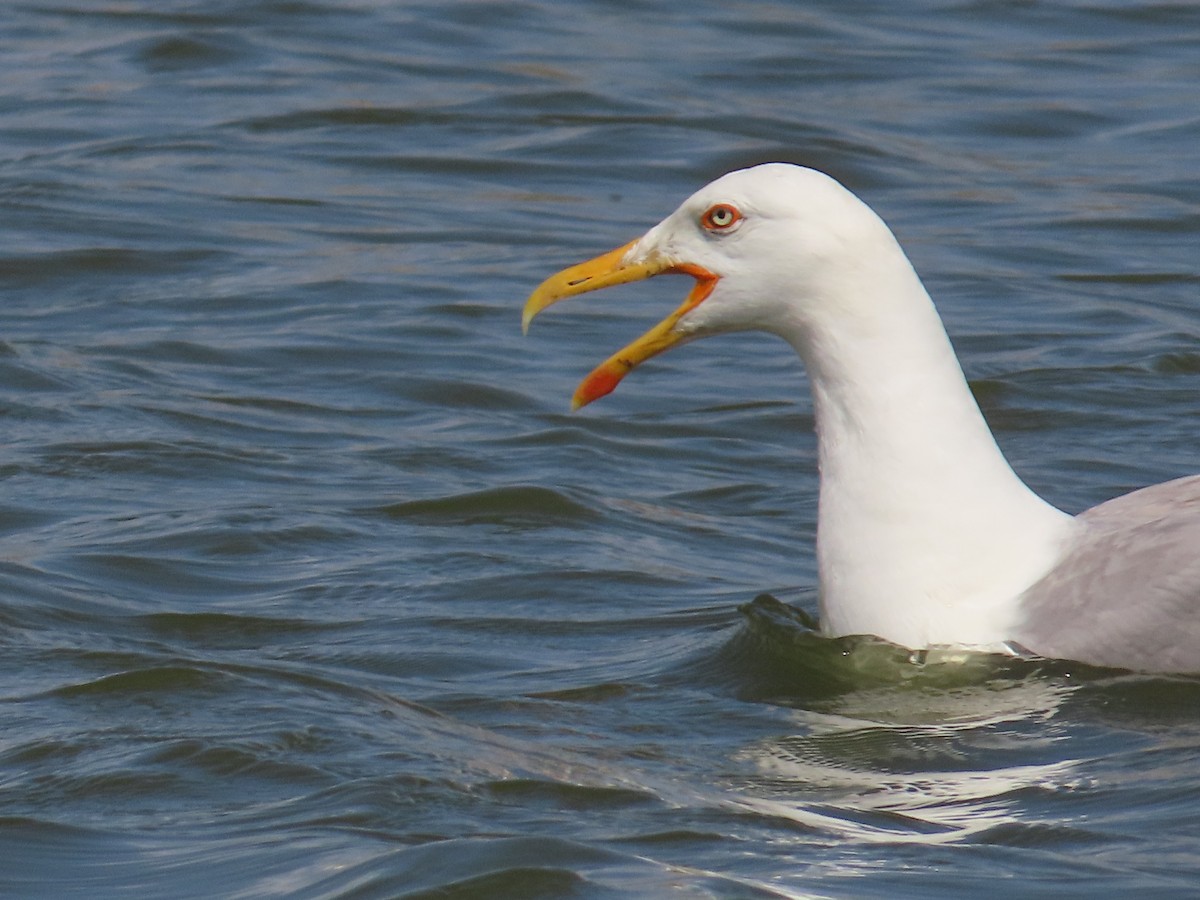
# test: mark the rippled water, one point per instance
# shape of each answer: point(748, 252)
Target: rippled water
point(311, 587)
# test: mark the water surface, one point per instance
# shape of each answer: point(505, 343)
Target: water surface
point(310, 586)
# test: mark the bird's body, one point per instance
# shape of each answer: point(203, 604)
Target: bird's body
point(1125, 592)
point(925, 535)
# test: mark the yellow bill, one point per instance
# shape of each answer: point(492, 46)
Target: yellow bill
point(605, 271)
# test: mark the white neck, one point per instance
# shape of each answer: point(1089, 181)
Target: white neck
point(925, 535)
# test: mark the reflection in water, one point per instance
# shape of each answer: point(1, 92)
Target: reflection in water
point(893, 749)
point(916, 782)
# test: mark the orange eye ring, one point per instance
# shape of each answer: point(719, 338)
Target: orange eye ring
point(720, 217)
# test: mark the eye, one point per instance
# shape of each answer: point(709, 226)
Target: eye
point(721, 217)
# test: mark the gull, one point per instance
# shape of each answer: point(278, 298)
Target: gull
point(925, 536)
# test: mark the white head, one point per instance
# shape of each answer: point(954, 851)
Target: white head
point(774, 247)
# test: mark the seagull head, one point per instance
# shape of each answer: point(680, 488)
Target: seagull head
point(769, 248)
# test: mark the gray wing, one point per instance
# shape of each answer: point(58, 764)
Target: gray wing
point(1127, 592)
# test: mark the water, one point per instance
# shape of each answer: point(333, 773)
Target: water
point(311, 587)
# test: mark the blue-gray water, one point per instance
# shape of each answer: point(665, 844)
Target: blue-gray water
point(311, 587)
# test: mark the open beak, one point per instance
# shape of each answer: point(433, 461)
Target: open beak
point(605, 271)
